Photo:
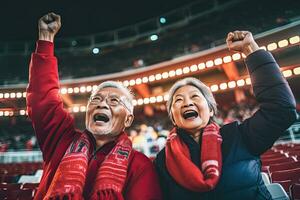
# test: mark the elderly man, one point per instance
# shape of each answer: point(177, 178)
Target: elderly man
point(98, 163)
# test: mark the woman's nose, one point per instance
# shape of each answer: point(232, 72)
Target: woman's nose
point(188, 102)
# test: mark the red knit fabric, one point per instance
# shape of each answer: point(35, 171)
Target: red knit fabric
point(55, 131)
point(70, 176)
point(182, 169)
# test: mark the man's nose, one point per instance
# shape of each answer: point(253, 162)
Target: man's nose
point(103, 104)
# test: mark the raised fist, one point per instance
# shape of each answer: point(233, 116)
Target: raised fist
point(242, 42)
point(49, 25)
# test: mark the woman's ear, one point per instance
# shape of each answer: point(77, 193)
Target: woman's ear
point(129, 120)
point(211, 113)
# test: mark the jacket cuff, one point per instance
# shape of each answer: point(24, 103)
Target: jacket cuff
point(44, 47)
point(257, 59)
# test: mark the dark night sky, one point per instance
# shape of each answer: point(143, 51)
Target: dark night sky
point(18, 19)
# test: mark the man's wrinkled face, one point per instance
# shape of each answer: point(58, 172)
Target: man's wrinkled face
point(189, 109)
point(107, 114)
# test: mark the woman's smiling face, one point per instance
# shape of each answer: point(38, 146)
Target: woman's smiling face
point(189, 109)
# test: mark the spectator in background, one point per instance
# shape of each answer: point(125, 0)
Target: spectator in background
point(202, 160)
point(98, 163)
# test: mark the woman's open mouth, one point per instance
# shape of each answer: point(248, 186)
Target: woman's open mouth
point(190, 114)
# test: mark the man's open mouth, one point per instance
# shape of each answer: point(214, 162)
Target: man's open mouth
point(101, 117)
point(190, 114)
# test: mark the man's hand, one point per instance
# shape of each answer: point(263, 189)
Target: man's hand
point(242, 42)
point(49, 25)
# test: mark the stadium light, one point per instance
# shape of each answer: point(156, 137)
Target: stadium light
point(145, 79)
point(158, 77)
point(223, 86)
point(82, 89)
point(236, 56)
point(151, 78)
point(283, 43)
point(24, 94)
point(165, 75)
point(227, 59)
point(218, 61)
point(162, 20)
point(287, 73)
point(231, 84)
point(154, 37)
point(172, 73)
point(186, 70)
point(272, 46)
point(209, 63)
point(70, 90)
point(146, 100)
point(296, 71)
point(240, 82)
point(194, 68)
point(96, 50)
point(138, 81)
point(178, 72)
point(76, 90)
point(214, 88)
point(248, 81)
point(201, 66)
point(63, 90)
point(132, 82)
point(1, 95)
point(294, 40)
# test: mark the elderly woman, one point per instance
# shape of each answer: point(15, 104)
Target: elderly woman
point(203, 161)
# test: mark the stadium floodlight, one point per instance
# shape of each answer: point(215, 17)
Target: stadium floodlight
point(186, 70)
point(214, 88)
point(296, 71)
point(24, 94)
point(223, 86)
point(1, 113)
point(138, 81)
point(134, 102)
point(75, 109)
point(96, 50)
point(201, 66)
point(70, 90)
point(12, 95)
point(159, 99)
point(126, 83)
point(145, 79)
point(76, 89)
point(19, 95)
point(132, 82)
point(152, 99)
point(209, 63)
point(227, 59)
point(158, 76)
point(178, 72)
point(263, 47)
point(193, 68)
point(294, 40)
point(63, 90)
point(140, 101)
point(22, 112)
point(154, 37)
point(218, 61)
point(172, 73)
point(1, 95)
point(272, 46)
point(151, 78)
point(248, 81)
point(6, 95)
point(82, 108)
point(240, 82)
point(287, 73)
point(162, 20)
point(146, 100)
point(88, 88)
point(236, 56)
point(82, 89)
point(231, 84)
point(283, 43)
point(165, 75)
point(166, 97)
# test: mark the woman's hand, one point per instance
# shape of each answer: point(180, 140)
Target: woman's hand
point(242, 42)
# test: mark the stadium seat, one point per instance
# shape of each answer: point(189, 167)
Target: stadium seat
point(284, 166)
point(10, 186)
point(265, 178)
point(33, 186)
point(268, 162)
point(295, 191)
point(285, 175)
point(277, 192)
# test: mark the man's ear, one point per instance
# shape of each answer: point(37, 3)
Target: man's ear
point(128, 120)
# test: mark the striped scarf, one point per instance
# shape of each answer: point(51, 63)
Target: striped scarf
point(178, 160)
point(69, 179)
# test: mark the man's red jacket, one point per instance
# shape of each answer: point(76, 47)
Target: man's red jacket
point(55, 130)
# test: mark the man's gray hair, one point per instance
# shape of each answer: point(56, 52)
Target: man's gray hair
point(128, 100)
point(200, 86)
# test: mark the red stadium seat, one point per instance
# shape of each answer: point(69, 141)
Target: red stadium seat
point(11, 186)
point(285, 176)
point(268, 162)
point(26, 194)
point(33, 186)
point(295, 191)
point(284, 166)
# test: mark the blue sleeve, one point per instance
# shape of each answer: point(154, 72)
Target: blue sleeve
point(277, 107)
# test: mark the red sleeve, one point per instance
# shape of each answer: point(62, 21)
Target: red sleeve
point(51, 122)
point(144, 183)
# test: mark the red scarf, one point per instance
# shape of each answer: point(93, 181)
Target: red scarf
point(70, 176)
point(183, 170)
